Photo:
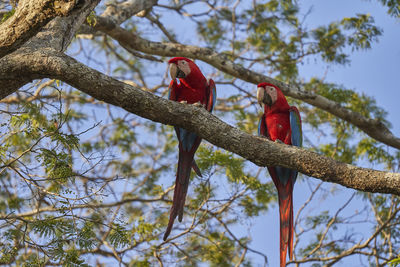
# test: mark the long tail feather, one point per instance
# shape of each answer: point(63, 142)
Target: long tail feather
point(291, 230)
point(181, 186)
point(196, 169)
point(286, 222)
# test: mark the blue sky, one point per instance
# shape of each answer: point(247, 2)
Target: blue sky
point(374, 71)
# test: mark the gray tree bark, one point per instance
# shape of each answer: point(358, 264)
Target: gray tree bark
point(30, 16)
point(56, 35)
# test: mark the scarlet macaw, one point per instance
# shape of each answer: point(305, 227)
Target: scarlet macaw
point(193, 88)
point(282, 123)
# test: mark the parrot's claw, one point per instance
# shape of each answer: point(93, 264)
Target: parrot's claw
point(198, 104)
point(183, 102)
point(278, 141)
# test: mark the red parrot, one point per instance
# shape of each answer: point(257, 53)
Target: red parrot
point(281, 123)
point(193, 88)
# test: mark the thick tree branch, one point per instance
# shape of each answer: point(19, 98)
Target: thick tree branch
point(56, 35)
point(258, 150)
point(374, 128)
point(119, 13)
point(59, 33)
point(28, 19)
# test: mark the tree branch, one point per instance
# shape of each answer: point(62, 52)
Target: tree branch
point(372, 127)
point(28, 19)
point(119, 13)
point(55, 35)
point(52, 64)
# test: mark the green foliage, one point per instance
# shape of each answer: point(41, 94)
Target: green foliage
point(365, 32)
point(394, 262)
point(321, 219)
point(219, 252)
point(330, 41)
point(211, 31)
point(140, 263)
point(86, 237)
point(72, 259)
point(7, 254)
point(91, 19)
point(342, 149)
point(375, 152)
point(51, 227)
point(394, 7)
point(209, 158)
point(33, 260)
point(14, 202)
point(7, 15)
point(119, 236)
point(123, 135)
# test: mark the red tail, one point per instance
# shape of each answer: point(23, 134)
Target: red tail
point(181, 186)
point(285, 195)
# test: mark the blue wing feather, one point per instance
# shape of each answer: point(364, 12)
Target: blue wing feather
point(262, 127)
point(296, 133)
point(295, 127)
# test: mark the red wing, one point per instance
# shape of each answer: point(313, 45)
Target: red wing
point(173, 90)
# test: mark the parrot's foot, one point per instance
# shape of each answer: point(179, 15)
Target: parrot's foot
point(198, 104)
point(278, 141)
point(183, 102)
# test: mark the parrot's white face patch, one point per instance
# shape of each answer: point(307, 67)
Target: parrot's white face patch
point(183, 65)
point(267, 95)
point(272, 93)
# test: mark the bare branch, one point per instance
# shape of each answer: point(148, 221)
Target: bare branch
point(123, 11)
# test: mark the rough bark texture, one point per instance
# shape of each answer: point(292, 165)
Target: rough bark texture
point(262, 152)
point(119, 13)
point(56, 35)
point(374, 128)
point(29, 17)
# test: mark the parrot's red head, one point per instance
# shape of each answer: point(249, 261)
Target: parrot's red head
point(270, 95)
point(181, 67)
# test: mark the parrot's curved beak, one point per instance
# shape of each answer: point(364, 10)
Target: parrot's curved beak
point(263, 97)
point(175, 72)
point(260, 95)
